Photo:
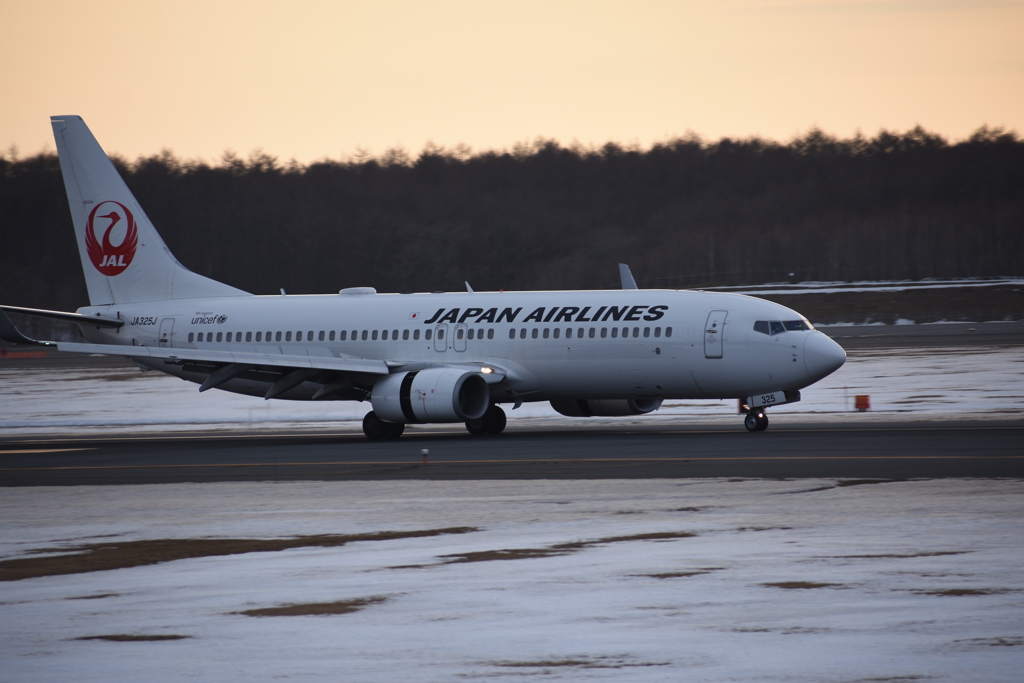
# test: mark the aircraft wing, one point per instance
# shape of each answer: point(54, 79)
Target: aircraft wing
point(363, 365)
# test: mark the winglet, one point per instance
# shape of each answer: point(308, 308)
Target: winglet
point(627, 277)
point(468, 288)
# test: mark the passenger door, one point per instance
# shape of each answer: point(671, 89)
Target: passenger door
point(440, 337)
point(459, 342)
point(714, 331)
point(166, 331)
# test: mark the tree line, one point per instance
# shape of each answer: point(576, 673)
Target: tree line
point(683, 213)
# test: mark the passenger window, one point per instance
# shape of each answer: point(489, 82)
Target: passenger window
point(471, 333)
point(657, 331)
point(427, 334)
point(592, 331)
point(384, 335)
point(534, 333)
point(278, 336)
point(374, 335)
point(322, 333)
point(604, 332)
point(546, 332)
point(615, 332)
point(522, 333)
point(647, 332)
point(309, 336)
point(248, 336)
point(330, 336)
point(668, 331)
point(259, 336)
point(555, 333)
point(568, 333)
point(416, 334)
point(367, 334)
point(625, 332)
point(220, 336)
point(191, 336)
point(440, 333)
point(490, 333)
point(460, 333)
point(288, 336)
point(355, 335)
point(636, 332)
point(512, 333)
point(405, 335)
point(777, 328)
point(762, 327)
point(298, 336)
point(343, 335)
point(394, 334)
point(227, 336)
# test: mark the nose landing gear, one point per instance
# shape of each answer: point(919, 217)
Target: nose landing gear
point(756, 421)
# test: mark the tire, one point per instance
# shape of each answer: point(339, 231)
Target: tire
point(373, 427)
point(762, 423)
point(751, 422)
point(476, 427)
point(377, 429)
point(394, 429)
point(494, 420)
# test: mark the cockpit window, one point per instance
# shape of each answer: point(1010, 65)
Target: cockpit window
point(797, 325)
point(762, 327)
point(777, 328)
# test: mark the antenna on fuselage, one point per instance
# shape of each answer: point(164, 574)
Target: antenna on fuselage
point(627, 277)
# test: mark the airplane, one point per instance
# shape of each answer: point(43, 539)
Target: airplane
point(417, 358)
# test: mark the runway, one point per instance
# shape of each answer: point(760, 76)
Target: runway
point(896, 451)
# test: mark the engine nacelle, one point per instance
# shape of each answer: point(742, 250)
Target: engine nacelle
point(432, 395)
point(605, 407)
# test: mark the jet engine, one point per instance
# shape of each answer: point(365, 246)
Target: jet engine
point(432, 395)
point(605, 407)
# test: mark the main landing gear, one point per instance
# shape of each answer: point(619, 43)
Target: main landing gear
point(493, 422)
point(377, 429)
point(756, 421)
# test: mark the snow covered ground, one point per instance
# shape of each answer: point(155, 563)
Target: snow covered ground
point(916, 384)
point(782, 581)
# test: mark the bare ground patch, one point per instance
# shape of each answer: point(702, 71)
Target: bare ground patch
point(800, 585)
point(309, 609)
point(899, 556)
point(557, 549)
point(133, 637)
point(576, 663)
point(963, 592)
point(94, 557)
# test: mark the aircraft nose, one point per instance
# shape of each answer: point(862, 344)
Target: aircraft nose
point(822, 356)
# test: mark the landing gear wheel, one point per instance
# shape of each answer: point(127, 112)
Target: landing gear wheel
point(377, 429)
point(494, 420)
point(476, 427)
point(755, 422)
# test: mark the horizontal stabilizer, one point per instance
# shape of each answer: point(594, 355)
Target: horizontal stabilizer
point(98, 321)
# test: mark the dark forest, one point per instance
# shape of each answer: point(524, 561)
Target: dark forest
point(685, 213)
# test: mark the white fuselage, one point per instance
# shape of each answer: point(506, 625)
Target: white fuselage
point(608, 344)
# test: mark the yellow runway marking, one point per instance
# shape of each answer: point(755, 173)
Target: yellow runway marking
point(412, 462)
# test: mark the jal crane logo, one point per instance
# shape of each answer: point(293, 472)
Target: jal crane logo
point(108, 258)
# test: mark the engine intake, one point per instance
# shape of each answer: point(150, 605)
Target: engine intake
point(433, 395)
point(605, 407)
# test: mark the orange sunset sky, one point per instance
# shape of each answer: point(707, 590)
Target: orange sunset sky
point(315, 79)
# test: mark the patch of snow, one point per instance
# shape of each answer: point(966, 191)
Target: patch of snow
point(888, 552)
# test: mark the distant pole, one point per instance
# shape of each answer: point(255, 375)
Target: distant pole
point(425, 452)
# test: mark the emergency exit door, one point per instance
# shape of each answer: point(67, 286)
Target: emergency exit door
point(166, 330)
